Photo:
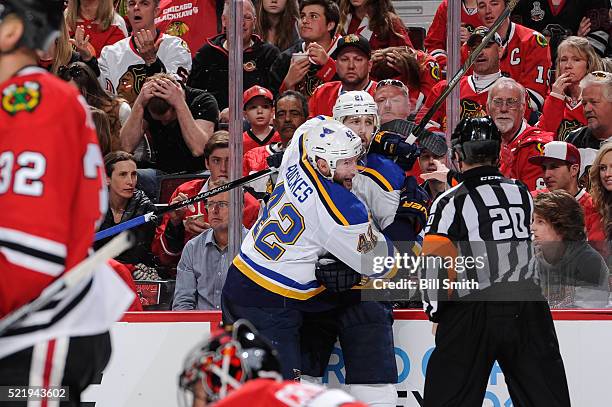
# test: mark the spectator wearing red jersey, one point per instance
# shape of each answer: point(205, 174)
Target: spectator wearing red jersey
point(474, 88)
point(353, 69)
point(563, 111)
point(506, 105)
point(96, 21)
point(560, 164)
point(435, 41)
point(527, 56)
point(180, 226)
point(375, 20)
point(258, 111)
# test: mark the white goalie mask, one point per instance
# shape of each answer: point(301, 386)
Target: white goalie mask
point(356, 103)
point(331, 141)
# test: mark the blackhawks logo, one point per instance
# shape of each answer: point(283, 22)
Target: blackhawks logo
point(566, 127)
point(540, 39)
point(469, 108)
point(21, 98)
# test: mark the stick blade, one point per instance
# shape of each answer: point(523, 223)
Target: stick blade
point(435, 144)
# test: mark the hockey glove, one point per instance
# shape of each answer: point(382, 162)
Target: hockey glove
point(274, 161)
point(413, 204)
point(392, 145)
point(335, 275)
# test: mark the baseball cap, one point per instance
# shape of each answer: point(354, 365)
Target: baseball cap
point(479, 33)
point(557, 150)
point(353, 40)
point(255, 91)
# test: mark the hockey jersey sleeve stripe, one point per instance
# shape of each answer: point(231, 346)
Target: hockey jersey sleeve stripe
point(33, 252)
point(275, 282)
point(377, 178)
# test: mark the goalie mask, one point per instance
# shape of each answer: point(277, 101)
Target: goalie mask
point(226, 360)
point(354, 104)
point(332, 142)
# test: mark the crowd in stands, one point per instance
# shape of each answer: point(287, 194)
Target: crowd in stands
point(155, 74)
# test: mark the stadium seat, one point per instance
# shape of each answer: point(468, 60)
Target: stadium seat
point(169, 183)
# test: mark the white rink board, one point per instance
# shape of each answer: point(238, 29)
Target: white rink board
point(147, 357)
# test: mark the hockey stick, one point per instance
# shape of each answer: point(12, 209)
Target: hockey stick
point(433, 144)
point(147, 217)
point(71, 278)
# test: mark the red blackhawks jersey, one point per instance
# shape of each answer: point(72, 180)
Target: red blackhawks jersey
point(270, 393)
point(560, 117)
point(52, 194)
point(514, 156)
point(254, 161)
point(183, 19)
point(325, 95)
point(435, 41)
point(526, 59)
point(251, 141)
point(51, 184)
point(473, 102)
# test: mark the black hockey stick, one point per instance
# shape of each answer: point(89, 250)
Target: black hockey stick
point(434, 144)
point(147, 217)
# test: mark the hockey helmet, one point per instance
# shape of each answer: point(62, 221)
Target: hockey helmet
point(331, 141)
point(476, 139)
point(41, 19)
point(356, 103)
point(230, 357)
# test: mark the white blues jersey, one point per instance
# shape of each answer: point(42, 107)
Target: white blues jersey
point(306, 217)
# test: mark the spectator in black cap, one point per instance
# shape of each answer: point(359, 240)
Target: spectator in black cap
point(353, 69)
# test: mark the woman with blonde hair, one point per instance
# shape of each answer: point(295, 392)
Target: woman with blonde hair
point(563, 112)
point(600, 177)
point(277, 22)
point(61, 54)
point(96, 22)
point(375, 20)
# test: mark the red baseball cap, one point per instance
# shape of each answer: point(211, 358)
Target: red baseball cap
point(557, 150)
point(255, 91)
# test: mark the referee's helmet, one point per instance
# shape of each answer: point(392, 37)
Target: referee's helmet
point(476, 140)
point(41, 20)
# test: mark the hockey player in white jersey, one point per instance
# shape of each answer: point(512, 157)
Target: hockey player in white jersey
point(311, 212)
point(365, 327)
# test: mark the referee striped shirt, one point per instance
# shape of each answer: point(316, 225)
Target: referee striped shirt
point(477, 236)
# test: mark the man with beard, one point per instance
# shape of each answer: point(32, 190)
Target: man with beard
point(353, 66)
point(506, 105)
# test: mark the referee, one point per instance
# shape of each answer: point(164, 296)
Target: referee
point(486, 304)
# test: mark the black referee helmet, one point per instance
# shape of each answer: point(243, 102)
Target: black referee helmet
point(41, 20)
point(476, 140)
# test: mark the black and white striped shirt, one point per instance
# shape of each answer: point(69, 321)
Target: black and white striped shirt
point(484, 223)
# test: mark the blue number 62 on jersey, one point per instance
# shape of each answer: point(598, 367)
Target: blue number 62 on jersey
point(270, 235)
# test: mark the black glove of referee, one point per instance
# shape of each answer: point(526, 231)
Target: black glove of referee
point(335, 275)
